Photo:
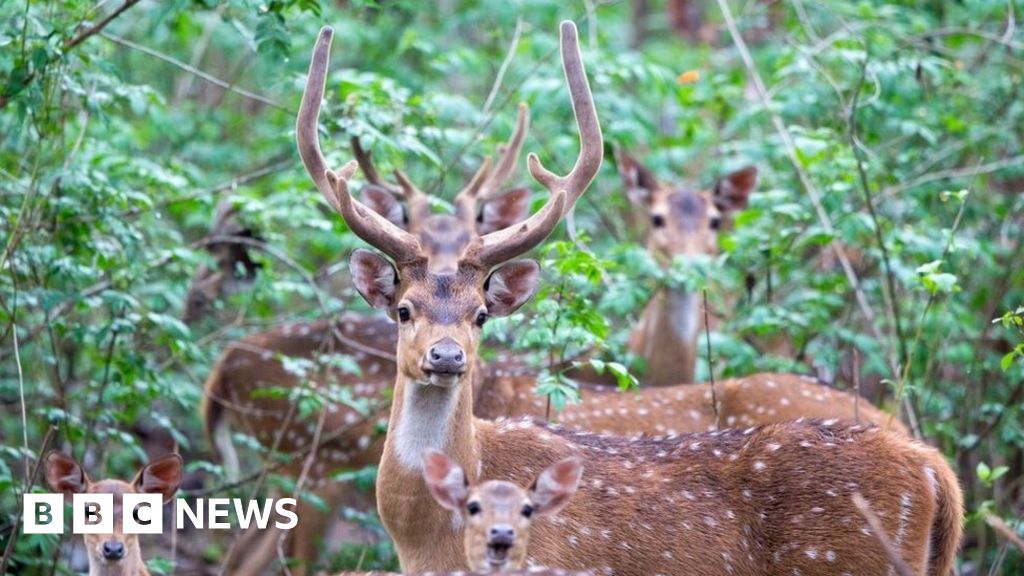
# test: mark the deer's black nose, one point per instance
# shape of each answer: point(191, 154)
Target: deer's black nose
point(113, 550)
point(501, 535)
point(446, 357)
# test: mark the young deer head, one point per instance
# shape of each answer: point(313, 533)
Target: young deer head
point(115, 554)
point(497, 514)
point(682, 221)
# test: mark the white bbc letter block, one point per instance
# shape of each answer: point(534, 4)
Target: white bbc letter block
point(43, 513)
point(92, 514)
point(143, 513)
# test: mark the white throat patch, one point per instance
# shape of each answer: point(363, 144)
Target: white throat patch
point(426, 417)
point(683, 313)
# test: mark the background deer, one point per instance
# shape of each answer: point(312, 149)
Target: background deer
point(498, 514)
point(681, 223)
point(115, 554)
point(769, 500)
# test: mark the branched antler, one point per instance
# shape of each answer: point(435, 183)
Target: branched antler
point(365, 223)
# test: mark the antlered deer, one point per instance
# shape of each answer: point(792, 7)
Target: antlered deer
point(115, 554)
point(765, 500)
point(351, 438)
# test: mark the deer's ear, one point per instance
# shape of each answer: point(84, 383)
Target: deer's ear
point(556, 485)
point(504, 211)
point(375, 278)
point(445, 480)
point(733, 190)
point(64, 475)
point(384, 203)
point(161, 476)
point(510, 286)
point(639, 181)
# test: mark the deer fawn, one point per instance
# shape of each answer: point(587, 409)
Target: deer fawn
point(768, 500)
point(497, 514)
point(115, 554)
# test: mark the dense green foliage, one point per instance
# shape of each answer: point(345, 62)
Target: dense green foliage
point(906, 122)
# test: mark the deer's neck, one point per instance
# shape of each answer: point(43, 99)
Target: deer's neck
point(666, 337)
point(131, 565)
point(425, 417)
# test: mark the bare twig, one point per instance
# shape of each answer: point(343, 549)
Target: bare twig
point(193, 70)
point(509, 56)
point(711, 366)
point(201, 46)
point(878, 531)
point(1003, 530)
point(90, 31)
point(891, 300)
point(276, 164)
point(959, 31)
point(21, 376)
point(954, 173)
point(856, 385)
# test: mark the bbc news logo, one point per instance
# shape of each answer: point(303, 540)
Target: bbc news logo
point(144, 513)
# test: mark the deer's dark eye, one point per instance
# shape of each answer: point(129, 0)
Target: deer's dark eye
point(404, 314)
point(473, 508)
point(657, 220)
point(481, 318)
point(715, 222)
point(527, 510)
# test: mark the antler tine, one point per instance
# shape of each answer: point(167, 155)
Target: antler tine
point(487, 183)
point(507, 243)
point(365, 223)
point(503, 245)
point(465, 200)
point(417, 200)
point(365, 159)
point(588, 163)
point(418, 203)
point(508, 156)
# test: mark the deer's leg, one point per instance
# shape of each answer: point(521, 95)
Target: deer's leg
point(306, 538)
point(254, 552)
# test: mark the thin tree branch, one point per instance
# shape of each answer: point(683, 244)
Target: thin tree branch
point(892, 300)
point(878, 531)
point(711, 366)
point(505, 63)
point(954, 173)
point(90, 31)
point(1005, 531)
point(193, 70)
